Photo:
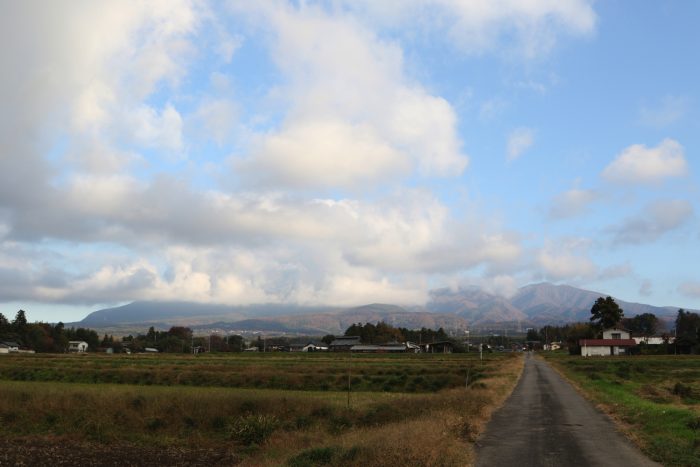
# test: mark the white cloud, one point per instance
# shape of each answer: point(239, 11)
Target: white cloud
point(347, 95)
point(323, 154)
point(639, 164)
point(690, 289)
point(615, 271)
point(175, 242)
point(98, 99)
point(565, 266)
point(566, 259)
point(519, 141)
point(150, 128)
point(492, 108)
point(645, 289)
point(216, 119)
point(655, 220)
point(572, 203)
point(481, 26)
point(528, 29)
point(668, 111)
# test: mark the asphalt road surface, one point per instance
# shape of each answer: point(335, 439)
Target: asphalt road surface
point(545, 422)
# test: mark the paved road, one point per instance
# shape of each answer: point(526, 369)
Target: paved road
point(545, 422)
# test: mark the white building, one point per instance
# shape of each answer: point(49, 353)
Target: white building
point(10, 346)
point(77, 346)
point(614, 342)
point(653, 340)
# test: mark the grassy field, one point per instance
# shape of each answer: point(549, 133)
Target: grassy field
point(656, 399)
point(265, 409)
point(308, 371)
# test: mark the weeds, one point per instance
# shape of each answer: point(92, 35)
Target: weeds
point(253, 429)
point(318, 457)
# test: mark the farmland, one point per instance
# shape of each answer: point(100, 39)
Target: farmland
point(656, 400)
point(251, 409)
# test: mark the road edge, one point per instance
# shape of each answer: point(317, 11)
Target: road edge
point(622, 427)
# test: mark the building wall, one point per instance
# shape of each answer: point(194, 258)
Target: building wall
point(655, 340)
point(601, 351)
point(595, 351)
point(608, 334)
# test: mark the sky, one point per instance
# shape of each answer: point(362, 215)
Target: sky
point(345, 152)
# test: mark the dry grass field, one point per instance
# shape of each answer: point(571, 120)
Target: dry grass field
point(267, 409)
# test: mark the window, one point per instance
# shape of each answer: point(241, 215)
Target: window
point(616, 335)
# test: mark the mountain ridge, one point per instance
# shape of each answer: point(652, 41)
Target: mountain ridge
point(531, 305)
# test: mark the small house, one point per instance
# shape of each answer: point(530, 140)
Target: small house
point(344, 343)
point(77, 346)
point(615, 341)
point(10, 346)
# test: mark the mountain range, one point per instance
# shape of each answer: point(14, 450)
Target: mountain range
point(532, 305)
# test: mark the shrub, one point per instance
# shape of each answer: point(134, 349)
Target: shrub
point(694, 424)
point(303, 421)
point(330, 455)
point(339, 423)
point(253, 429)
point(155, 424)
point(314, 457)
point(682, 390)
point(218, 423)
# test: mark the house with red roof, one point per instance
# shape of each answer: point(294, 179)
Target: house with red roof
point(615, 341)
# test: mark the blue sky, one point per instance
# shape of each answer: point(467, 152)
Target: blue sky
point(345, 153)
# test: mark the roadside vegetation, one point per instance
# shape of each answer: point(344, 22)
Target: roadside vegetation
point(656, 399)
point(257, 409)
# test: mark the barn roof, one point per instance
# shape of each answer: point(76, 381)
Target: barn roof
point(343, 341)
point(607, 342)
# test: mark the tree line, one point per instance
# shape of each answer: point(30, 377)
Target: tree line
point(180, 339)
point(54, 338)
point(382, 333)
point(43, 337)
point(606, 313)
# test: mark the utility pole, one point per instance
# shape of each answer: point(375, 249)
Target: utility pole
point(349, 359)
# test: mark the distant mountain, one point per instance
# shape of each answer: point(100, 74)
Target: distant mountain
point(532, 305)
point(475, 305)
point(555, 303)
point(536, 304)
point(335, 322)
point(178, 312)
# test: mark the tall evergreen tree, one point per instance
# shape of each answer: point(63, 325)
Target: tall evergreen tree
point(19, 325)
point(605, 313)
point(4, 324)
